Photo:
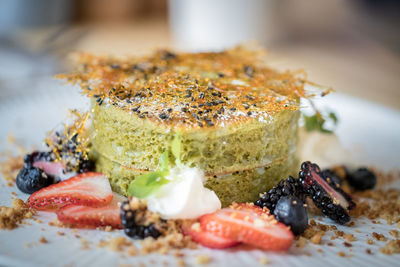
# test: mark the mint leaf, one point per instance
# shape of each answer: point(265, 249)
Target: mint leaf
point(176, 148)
point(318, 122)
point(164, 161)
point(147, 183)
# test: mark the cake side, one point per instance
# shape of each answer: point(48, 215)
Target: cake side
point(138, 143)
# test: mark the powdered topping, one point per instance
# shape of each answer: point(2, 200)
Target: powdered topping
point(191, 90)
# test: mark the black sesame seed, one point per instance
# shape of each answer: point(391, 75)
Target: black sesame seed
point(233, 109)
point(210, 123)
point(209, 104)
point(221, 75)
point(200, 124)
point(169, 110)
point(201, 95)
point(184, 109)
point(163, 116)
point(201, 105)
point(249, 113)
point(115, 66)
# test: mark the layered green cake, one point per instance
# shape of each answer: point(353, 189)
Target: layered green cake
point(236, 117)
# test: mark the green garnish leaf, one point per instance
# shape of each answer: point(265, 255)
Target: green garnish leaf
point(318, 122)
point(147, 183)
point(164, 161)
point(176, 148)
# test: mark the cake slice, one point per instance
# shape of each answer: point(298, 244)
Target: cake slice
point(237, 117)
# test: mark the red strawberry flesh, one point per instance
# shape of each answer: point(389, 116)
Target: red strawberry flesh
point(262, 231)
point(87, 189)
point(207, 239)
point(83, 216)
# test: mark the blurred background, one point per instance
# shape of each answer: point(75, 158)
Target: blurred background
point(352, 46)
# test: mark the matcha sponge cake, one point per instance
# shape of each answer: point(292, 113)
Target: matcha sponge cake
point(236, 117)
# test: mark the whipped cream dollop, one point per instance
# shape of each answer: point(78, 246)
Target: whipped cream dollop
point(184, 197)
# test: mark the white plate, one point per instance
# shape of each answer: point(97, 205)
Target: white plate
point(370, 133)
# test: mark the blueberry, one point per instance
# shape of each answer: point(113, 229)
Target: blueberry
point(362, 179)
point(32, 179)
point(291, 211)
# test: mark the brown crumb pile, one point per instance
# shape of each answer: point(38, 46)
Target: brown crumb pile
point(10, 166)
point(11, 217)
point(171, 240)
point(391, 247)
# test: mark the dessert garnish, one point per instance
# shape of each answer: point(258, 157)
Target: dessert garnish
point(292, 211)
point(286, 187)
point(89, 189)
point(85, 216)
point(206, 238)
point(325, 193)
point(138, 222)
point(248, 224)
point(177, 192)
point(362, 179)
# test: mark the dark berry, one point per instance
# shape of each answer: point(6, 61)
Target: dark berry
point(86, 166)
point(134, 226)
point(325, 193)
point(329, 175)
point(32, 179)
point(292, 212)
point(362, 179)
point(29, 159)
point(287, 187)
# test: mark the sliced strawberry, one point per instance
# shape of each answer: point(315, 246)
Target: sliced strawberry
point(84, 216)
point(88, 189)
point(207, 239)
point(247, 225)
point(51, 168)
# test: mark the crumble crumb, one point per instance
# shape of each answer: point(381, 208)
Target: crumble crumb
point(349, 237)
point(181, 263)
point(263, 260)
point(368, 251)
point(301, 242)
point(316, 239)
point(85, 244)
point(379, 237)
point(394, 233)
point(391, 247)
point(11, 217)
point(341, 254)
point(347, 244)
point(370, 242)
point(202, 259)
point(10, 166)
point(43, 240)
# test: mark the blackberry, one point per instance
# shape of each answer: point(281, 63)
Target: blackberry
point(292, 212)
point(287, 187)
point(362, 179)
point(86, 166)
point(136, 225)
point(32, 179)
point(29, 159)
point(329, 174)
point(325, 193)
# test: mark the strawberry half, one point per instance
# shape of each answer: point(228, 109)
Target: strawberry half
point(88, 189)
point(84, 216)
point(247, 225)
point(207, 239)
